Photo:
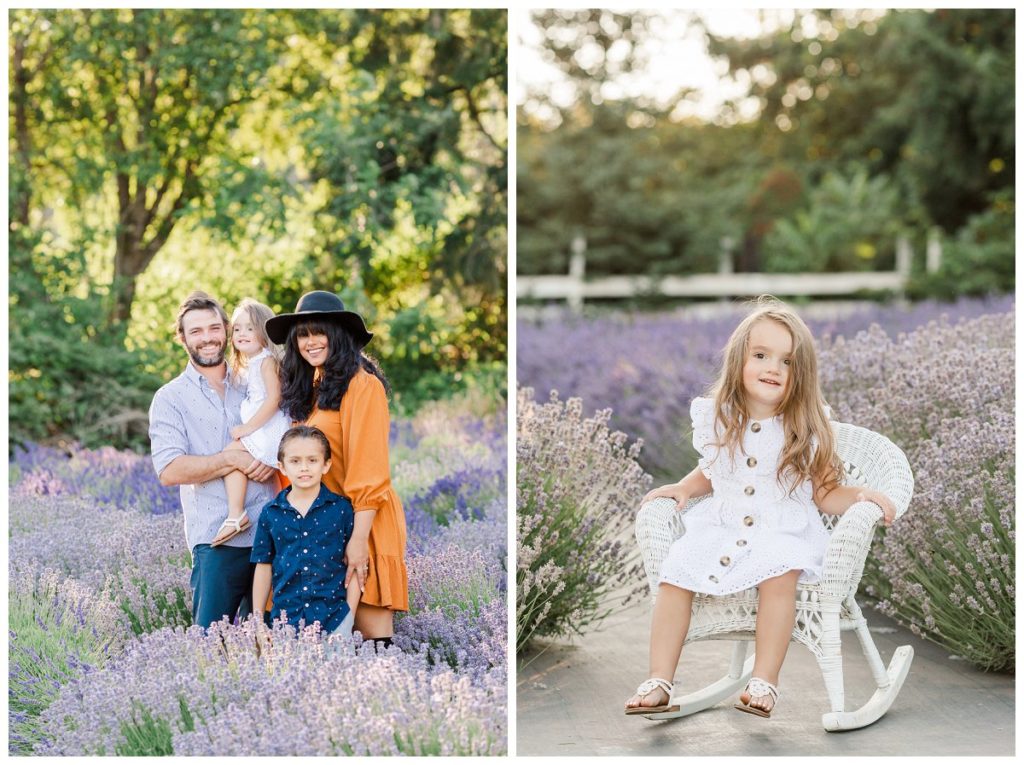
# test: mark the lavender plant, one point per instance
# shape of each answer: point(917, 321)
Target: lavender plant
point(244, 690)
point(140, 560)
point(577, 487)
point(59, 629)
point(946, 569)
point(107, 476)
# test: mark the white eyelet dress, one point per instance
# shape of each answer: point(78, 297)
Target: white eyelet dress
point(750, 529)
point(264, 442)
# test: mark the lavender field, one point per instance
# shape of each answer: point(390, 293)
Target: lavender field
point(103, 660)
point(647, 367)
point(937, 379)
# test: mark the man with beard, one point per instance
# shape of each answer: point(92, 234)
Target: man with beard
point(190, 421)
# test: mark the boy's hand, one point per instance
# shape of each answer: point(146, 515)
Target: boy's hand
point(880, 499)
point(672, 491)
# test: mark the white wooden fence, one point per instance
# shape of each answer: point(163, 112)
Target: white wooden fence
point(575, 288)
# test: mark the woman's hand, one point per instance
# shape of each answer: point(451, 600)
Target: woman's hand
point(672, 491)
point(880, 499)
point(239, 432)
point(357, 558)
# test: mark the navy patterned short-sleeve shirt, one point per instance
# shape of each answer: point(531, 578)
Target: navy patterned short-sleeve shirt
point(306, 555)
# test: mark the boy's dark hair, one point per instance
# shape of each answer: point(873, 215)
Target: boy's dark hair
point(304, 431)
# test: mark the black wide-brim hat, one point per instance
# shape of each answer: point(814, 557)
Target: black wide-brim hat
point(318, 306)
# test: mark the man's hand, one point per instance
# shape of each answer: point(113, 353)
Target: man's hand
point(254, 469)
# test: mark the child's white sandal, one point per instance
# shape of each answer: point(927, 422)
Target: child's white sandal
point(756, 688)
point(647, 686)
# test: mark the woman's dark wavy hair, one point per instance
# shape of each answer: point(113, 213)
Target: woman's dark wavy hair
point(344, 359)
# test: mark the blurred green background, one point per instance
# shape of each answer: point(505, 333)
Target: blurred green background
point(846, 130)
point(257, 153)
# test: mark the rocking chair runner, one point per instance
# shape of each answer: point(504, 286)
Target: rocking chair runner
point(823, 610)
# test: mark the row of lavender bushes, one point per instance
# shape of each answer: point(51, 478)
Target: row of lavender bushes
point(937, 379)
point(103, 659)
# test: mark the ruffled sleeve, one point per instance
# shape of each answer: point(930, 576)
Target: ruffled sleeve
point(702, 413)
point(365, 426)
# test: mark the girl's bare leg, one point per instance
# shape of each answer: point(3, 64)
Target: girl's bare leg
point(669, 625)
point(776, 611)
point(235, 484)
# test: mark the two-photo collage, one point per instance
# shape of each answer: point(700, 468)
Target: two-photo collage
point(511, 382)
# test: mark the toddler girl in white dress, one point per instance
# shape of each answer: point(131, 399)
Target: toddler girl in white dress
point(769, 455)
point(263, 423)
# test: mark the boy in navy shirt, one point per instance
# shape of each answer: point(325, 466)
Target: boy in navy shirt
point(300, 540)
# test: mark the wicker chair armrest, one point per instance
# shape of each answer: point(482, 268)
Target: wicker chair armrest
point(658, 525)
point(848, 549)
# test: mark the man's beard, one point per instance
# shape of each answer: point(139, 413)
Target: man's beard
point(208, 362)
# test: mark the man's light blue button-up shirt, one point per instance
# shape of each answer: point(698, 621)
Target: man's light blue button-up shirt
point(188, 417)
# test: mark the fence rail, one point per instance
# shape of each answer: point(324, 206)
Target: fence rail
point(575, 288)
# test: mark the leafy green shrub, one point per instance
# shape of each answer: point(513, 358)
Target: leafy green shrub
point(978, 261)
point(847, 225)
point(577, 487)
point(70, 376)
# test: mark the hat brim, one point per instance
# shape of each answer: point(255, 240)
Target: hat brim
point(278, 327)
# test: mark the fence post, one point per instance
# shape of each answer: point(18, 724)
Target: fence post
point(725, 255)
point(577, 270)
point(904, 261)
point(933, 252)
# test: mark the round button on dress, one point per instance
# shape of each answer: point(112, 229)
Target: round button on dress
point(751, 528)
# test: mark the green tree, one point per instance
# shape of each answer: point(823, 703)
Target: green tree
point(141, 107)
point(926, 97)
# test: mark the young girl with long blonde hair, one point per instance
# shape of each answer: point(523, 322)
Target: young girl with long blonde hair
point(263, 422)
point(768, 453)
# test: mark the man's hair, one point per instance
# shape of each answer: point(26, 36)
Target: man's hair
point(197, 301)
point(304, 431)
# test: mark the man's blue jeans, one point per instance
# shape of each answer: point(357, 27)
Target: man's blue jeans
point(221, 583)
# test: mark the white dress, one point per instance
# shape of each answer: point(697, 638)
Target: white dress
point(264, 442)
point(751, 528)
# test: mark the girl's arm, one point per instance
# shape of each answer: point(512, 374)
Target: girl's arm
point(695, 484)
point(269, 407)
point(841, 498)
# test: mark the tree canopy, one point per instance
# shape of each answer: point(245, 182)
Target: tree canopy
point(256, 153)
point(869, 125)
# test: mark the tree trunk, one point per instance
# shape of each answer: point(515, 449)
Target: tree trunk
point(19, 97)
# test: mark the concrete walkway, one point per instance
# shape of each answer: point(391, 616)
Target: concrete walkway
point(569, 700)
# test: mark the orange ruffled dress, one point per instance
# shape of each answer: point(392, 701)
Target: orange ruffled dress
point(358, 433)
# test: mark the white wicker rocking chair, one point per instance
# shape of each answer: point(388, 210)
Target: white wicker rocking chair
point(823, 610)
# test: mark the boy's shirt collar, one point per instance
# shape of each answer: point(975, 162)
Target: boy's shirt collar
point(324, 497)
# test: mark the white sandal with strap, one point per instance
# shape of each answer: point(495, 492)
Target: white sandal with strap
point(237, 526)
point(647, 686)
point(756, 688)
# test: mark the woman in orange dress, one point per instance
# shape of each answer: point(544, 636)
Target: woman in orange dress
point(328, 382)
